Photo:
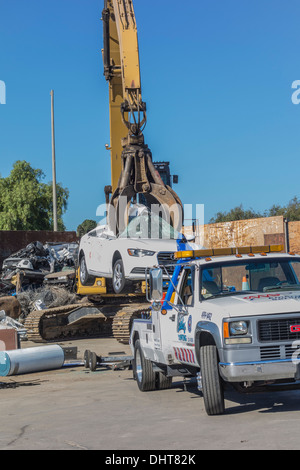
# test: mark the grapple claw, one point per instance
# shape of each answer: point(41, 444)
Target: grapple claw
point(139, 177)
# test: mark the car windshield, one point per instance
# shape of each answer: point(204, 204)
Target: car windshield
point(150, 226)
point(229, 278)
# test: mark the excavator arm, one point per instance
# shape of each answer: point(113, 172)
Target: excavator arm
point(132, 169)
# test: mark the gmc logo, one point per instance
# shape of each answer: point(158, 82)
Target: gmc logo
point(295, 328)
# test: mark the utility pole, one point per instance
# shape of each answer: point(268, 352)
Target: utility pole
point(53, 165)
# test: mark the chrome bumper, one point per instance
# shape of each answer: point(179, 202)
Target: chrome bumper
point(260, 370)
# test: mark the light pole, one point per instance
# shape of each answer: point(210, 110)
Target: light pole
point(53, 165)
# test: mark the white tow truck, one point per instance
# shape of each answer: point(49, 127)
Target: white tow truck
point(229, 315)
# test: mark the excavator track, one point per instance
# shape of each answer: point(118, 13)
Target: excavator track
point(122, 321)
point(70, 321)
point(77, 321)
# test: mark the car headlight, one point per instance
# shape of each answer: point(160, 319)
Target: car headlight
point(238, 328)
point(139, 252)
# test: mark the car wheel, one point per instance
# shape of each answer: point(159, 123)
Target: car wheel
point(212, 387)
point(85, 278)
point(143, 370)
point(118, 279)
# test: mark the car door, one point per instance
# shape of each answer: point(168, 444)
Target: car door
point(87, 247)
point(96, 251)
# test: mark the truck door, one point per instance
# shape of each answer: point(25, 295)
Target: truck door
point(182, 317)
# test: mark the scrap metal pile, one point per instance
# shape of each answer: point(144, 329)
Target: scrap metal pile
point(38, 291)
point(36, 264)
point(37, 277)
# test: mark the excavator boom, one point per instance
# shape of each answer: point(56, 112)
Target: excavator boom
point(132, 169)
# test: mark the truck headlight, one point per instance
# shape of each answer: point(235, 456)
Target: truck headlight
point(237, 328)
point(237, 332)
point(139, 252)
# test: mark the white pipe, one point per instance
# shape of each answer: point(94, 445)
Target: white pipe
point(23, 361)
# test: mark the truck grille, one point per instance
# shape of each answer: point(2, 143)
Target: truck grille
point(277, 352)
point(278, 330)
point(166, 258)
point(270, 352)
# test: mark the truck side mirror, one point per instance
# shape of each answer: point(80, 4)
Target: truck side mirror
point(155, 284)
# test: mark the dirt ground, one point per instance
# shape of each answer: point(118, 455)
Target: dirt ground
point(73, 408)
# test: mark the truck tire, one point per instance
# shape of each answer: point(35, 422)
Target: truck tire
point(143, 370)
point(212, 388)
point(162, 381)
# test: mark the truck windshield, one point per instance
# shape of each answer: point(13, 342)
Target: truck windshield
point(229, 278)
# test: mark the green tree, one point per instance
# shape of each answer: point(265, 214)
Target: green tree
point(237, 213)
point(26, 202)
point(85, 227)
point(291, 211)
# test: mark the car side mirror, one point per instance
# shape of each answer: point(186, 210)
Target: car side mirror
point(155, 290)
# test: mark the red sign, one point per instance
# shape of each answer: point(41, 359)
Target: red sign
point(295, 328)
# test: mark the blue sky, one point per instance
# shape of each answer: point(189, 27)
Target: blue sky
point(216, 77)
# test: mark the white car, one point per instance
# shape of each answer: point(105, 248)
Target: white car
point(125, 257)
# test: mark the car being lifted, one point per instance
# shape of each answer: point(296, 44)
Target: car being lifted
point(147, 240)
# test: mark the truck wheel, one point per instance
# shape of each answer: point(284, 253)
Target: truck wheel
point(143, 370)
point(212, 388)
point(163, 382)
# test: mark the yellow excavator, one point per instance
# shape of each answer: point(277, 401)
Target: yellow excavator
point(132, 170)
point(133, 175)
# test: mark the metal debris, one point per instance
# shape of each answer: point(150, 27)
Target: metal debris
point(6, 321)
point(30, 265)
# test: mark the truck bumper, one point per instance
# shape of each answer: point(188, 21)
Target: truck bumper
point(260, 370)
